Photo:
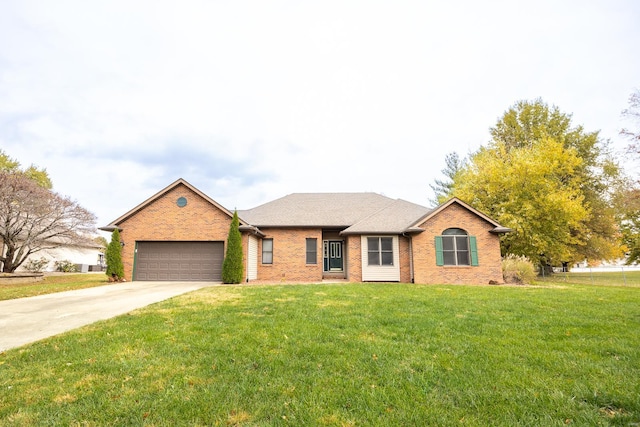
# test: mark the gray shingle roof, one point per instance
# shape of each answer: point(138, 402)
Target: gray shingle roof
point(357, 212)
point(394, 218)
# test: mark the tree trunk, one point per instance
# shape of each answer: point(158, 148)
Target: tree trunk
point(8, 264)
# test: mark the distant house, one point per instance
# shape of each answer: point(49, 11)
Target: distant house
point(86, 256)
point(180, 233)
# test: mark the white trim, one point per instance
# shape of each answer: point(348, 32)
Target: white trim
point(380, 273)
point(252, 258)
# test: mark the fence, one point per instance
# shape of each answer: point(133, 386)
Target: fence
point(609, 275)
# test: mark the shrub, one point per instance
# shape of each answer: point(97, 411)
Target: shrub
point(518, 269)
point(232, 266)
point(36, 266)
point(115, 268)
point(66, 266)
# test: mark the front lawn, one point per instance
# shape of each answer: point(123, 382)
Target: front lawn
point(342, 355)
point(51, 284)
point(611, 276)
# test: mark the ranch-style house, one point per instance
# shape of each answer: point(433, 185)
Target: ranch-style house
point(179, 234)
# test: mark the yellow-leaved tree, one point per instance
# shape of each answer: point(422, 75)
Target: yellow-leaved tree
point(552, 183)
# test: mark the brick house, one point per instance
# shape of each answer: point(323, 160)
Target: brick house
point(179, 234)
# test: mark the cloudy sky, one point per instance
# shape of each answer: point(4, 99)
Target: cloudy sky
point(253, 100)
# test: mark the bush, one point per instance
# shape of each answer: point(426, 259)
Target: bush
point(115, 268)
point(232, 266)
point(66, 266)
point(518, 269)
point(36, 266)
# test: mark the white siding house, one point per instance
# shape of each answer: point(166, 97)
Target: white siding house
point(84, 256)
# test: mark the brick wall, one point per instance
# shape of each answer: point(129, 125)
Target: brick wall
point(489, 259)
point(199, 220)
point(354, 258)
point(163, 220)
point(405, 260)
point(290, 256)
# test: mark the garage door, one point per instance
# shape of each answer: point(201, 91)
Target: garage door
point(189, 261)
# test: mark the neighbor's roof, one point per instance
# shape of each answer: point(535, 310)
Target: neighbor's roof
point(357, 212)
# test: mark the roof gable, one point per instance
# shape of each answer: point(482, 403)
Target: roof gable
point(180, 182)
point(395, 218)
point(498, 228)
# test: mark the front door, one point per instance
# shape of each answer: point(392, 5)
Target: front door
point(333, 255)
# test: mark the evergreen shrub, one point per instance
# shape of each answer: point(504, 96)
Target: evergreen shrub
point(232, 266)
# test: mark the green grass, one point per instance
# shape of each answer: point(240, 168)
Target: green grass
point(51, 284)
point(341, 355)
point(614, 276)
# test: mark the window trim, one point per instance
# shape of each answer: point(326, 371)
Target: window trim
point(267, 252)
point(313, 253)
point(379, 251)
point(453, 233)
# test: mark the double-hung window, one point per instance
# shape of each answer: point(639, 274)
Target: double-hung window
point(380, 250)
point(312, 251)
point(267, 251)
point(456, 247)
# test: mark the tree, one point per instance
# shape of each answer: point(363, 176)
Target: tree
point(442, 188)
point(629, 202)
point(232, 266)
point(113, 256)
point(552, 183)
point(102, 242)
point(34, 218)
point(633, 113)
point(40, 176)
point(630, 224)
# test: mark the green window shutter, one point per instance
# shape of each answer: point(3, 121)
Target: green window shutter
point(439, 254)
point(473, 247)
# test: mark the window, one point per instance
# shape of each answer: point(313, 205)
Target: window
point(267, 251)
point(456, 247)
point(380, 250)
point(312, 251)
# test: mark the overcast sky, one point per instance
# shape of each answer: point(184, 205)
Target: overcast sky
point(253, 100)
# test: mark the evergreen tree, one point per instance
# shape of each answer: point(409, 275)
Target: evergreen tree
point(443, 187)
point(115, 268)
point(232, 266)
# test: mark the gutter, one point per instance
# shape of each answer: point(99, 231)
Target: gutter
point(110, 228)
point(251, 229)
point(501, 230)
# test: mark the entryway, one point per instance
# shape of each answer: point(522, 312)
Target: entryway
point(333, 259)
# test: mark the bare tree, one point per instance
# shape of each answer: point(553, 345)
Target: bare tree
point(633, 113)
point(34, 218)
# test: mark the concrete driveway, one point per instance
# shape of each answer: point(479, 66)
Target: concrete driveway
point(26, 320)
